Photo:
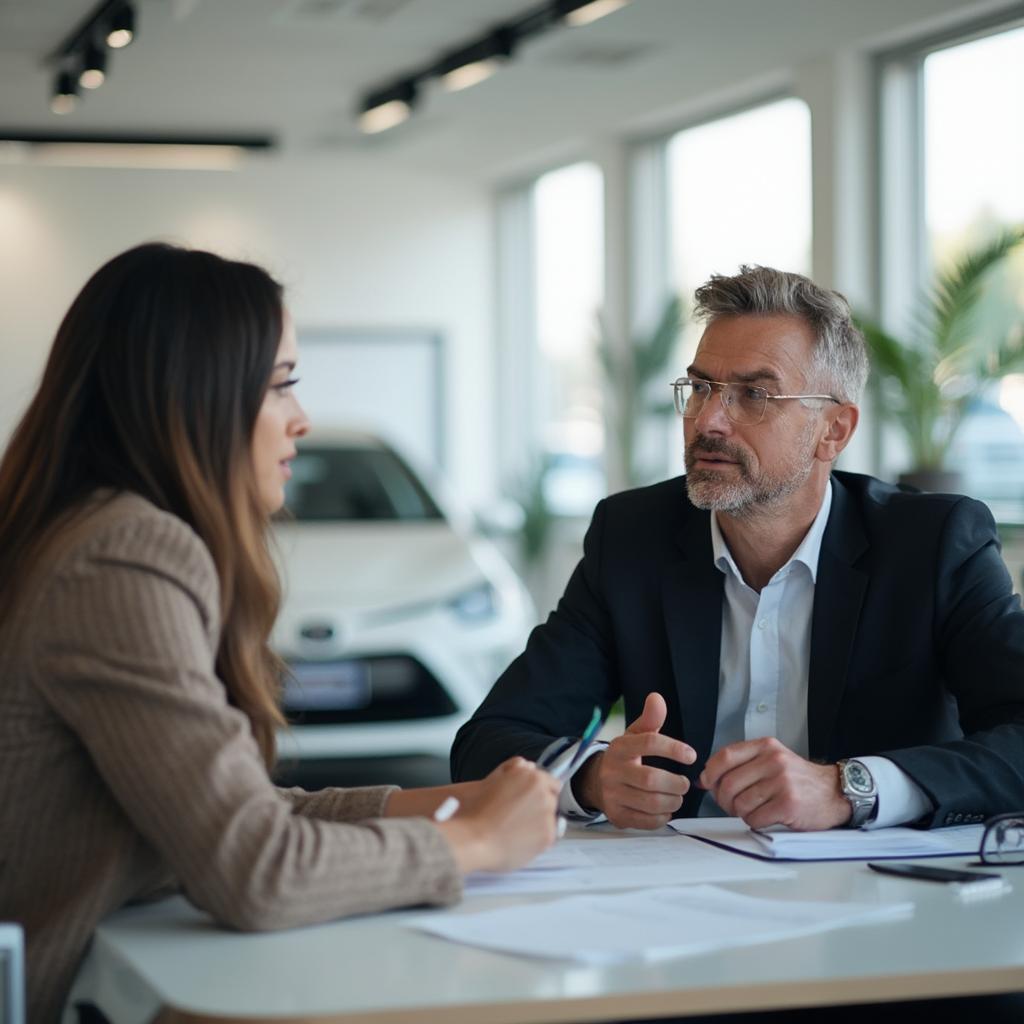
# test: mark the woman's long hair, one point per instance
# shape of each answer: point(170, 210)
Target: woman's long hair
point(153, 385)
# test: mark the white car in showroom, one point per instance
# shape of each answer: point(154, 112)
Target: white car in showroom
point(395, 620)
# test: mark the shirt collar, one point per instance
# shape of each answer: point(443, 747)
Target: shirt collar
point(806, 554)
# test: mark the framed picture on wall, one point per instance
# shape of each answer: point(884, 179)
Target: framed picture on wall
point(386, 380)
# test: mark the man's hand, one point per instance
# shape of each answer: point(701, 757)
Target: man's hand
point(630, 793)
point(765, 783)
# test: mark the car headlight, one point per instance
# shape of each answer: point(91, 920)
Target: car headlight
point(477, 604)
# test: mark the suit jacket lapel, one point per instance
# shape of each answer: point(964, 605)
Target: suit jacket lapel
point(692, 601)
point(838, 596)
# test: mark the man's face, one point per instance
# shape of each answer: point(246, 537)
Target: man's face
point(746, 468)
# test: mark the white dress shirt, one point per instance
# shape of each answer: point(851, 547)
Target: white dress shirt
point(764, 665)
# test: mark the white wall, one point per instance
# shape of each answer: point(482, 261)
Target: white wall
point(355, 243)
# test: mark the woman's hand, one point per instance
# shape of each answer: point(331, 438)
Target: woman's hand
point(510, 818)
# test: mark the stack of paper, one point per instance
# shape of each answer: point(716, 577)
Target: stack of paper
point(836, 844)
point(650, 924)
point(573, 865)
point(870, 843)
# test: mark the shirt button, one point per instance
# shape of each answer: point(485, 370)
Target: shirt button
point(762, 706)
point(763, 624)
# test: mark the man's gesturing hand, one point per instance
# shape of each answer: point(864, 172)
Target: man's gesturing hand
point(765, 783)
point(630, 793)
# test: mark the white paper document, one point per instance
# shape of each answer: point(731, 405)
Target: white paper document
point(572, 865)
point(833, 844)
point(650, 924)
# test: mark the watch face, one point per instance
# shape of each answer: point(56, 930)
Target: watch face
point(858, 779)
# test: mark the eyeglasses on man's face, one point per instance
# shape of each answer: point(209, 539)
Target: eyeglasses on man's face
point(743, 403)
point(1002, 842)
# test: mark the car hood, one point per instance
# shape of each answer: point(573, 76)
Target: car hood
point(364, 566)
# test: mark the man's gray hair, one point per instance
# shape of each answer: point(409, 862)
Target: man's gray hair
point(840, 355)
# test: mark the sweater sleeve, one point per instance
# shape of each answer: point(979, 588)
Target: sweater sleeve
point(336, 804)
point(128, 664)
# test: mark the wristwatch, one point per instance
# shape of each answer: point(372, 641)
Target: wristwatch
point(859, 788)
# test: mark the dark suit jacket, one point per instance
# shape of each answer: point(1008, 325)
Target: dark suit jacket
point(917, 643)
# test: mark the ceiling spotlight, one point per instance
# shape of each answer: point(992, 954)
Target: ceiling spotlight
point(94, 67)
point(387, 108)
point(475, 59)
point(138, 151)
point(65, 94)
point(583, 12)
point(476, 63)
point(121, 29)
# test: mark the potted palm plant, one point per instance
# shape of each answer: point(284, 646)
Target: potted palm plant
point(537, 516)
point(629, 373)
point(928, 379)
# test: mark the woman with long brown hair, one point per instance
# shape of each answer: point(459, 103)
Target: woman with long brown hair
point(138, 696)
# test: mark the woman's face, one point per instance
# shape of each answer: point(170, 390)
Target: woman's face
point(279, 423)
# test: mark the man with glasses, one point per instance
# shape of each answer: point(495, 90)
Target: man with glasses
point(793, 644)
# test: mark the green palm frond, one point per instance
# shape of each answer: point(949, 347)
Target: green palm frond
point(629, 372)
point(927, 381)
point(889, 356)
point(528, 492)
point(606, 353)
point(953, 299)
point(653, 354)
point(1007, 356)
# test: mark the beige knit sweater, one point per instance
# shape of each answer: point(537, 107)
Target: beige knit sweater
point(124, 771)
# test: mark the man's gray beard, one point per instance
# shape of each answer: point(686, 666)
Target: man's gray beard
point(743, 497)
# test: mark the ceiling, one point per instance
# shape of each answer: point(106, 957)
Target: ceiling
point(295, 69)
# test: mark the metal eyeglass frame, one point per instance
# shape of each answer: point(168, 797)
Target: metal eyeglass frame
point(994, 849)
point(727, 388)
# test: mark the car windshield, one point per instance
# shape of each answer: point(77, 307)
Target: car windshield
point(352, 483)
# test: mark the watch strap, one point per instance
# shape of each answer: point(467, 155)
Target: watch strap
point(863, 805)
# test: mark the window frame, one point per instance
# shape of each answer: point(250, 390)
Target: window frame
point(652, 273)
point(902, 258)
point(520, 382)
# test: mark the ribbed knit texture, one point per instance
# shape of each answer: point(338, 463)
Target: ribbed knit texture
point(124, 772)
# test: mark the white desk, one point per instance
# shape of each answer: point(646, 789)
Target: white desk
point(169, 956)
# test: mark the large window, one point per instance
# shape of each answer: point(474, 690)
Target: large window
point(568, 236)
point(739, 191)
point(974, 187)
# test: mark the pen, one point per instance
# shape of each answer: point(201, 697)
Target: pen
point(589, 734)
point(447, 808)
point(450, 805)
point(564, 760)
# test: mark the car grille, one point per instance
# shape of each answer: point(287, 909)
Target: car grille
point(351, 690)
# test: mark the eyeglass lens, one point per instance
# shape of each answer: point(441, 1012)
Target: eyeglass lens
point(1003, 841)
point(742, 403)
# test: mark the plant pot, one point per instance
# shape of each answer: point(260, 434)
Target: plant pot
point(936, 480)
